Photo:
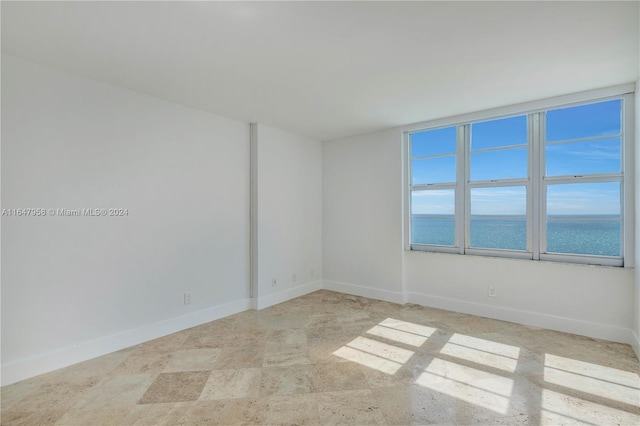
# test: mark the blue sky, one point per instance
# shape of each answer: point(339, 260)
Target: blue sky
point(564, 158)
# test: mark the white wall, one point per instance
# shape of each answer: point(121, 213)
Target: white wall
point(636, 298)
point(289, 215)
point(362, 215)
point(636, 319)
point(363, 254)
point(77, 287)
point(588, 300)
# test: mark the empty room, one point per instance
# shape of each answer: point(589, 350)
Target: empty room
point(320, 213)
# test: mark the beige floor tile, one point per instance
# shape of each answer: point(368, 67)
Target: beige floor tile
point(249, 338)
point(338, 376)
point(525, 396)
point(520, 420)
point(231, 384)
point(327, 335)
point(325, 352)
point(192, 360)
point(9, 395)
point(224, 412)
point(385, 373)
point(94, 367)
point(175, 387)
point(107, 415)
point(118, 390)
point(280, 321)
point(240, 357)
point(557, 407)
point(289, 336)
point(31, 418)
point(166, 344)
point(359, 316)
point(142, 362)
point(282, 355)
point(358, 322)
point(331, 358)
point(410, 405)
point(353, 407)
point(317, 335)
point(55, 395)
point(293, 410)
point(151, 414)
point(209, 339)
point(473, 402)
point(358, 329)
point(294, 379)
point(381, 307)
point(320, 320)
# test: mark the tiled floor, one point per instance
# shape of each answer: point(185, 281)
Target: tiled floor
point(329, 358)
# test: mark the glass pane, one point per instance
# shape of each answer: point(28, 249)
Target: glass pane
point(501, 164)
point(581, 158)
point(602, 118)
point(499, 218)
point(433, 217)
point(584, 218)
point(433, 142)
point(434, 170)
point(502, 132)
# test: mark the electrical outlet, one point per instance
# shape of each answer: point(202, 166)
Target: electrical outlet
point(274, 282)
point(187, 298)
point(293, 277)
point(491, 291)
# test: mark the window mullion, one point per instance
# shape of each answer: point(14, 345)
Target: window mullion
point(628, 194)
point(499, 182)
point(604, 177)
point(461, 178)
point(542, 185)
point(407, 191)
point(432, 186)
point(499, 148)
point(585, 139)
point(426, 157)
point(463, 219)
point(533, 201)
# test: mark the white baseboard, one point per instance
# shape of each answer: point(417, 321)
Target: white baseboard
point(359, 290)
point(284, 295)
point(535, 319)
point(50, 361)
point(43, 363)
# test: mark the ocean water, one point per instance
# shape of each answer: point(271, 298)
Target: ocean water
point(592, 235)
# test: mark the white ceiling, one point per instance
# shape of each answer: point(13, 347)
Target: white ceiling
point(331, 69)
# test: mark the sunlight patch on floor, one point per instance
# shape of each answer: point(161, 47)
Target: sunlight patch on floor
point(397, 336)
point(477, 387)
point(382, 356)
point(559, 408)
point(383, 350)
point(409, 327)
point(368, 360)
point(599, 380)
point(481, 351)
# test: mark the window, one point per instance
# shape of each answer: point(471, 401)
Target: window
point(544, 184)
point(498, 184)
point(433, 173)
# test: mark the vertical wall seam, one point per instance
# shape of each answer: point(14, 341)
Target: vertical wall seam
point(253, 211)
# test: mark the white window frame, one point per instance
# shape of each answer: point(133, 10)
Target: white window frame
point(495, 183)
point(535, 183)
